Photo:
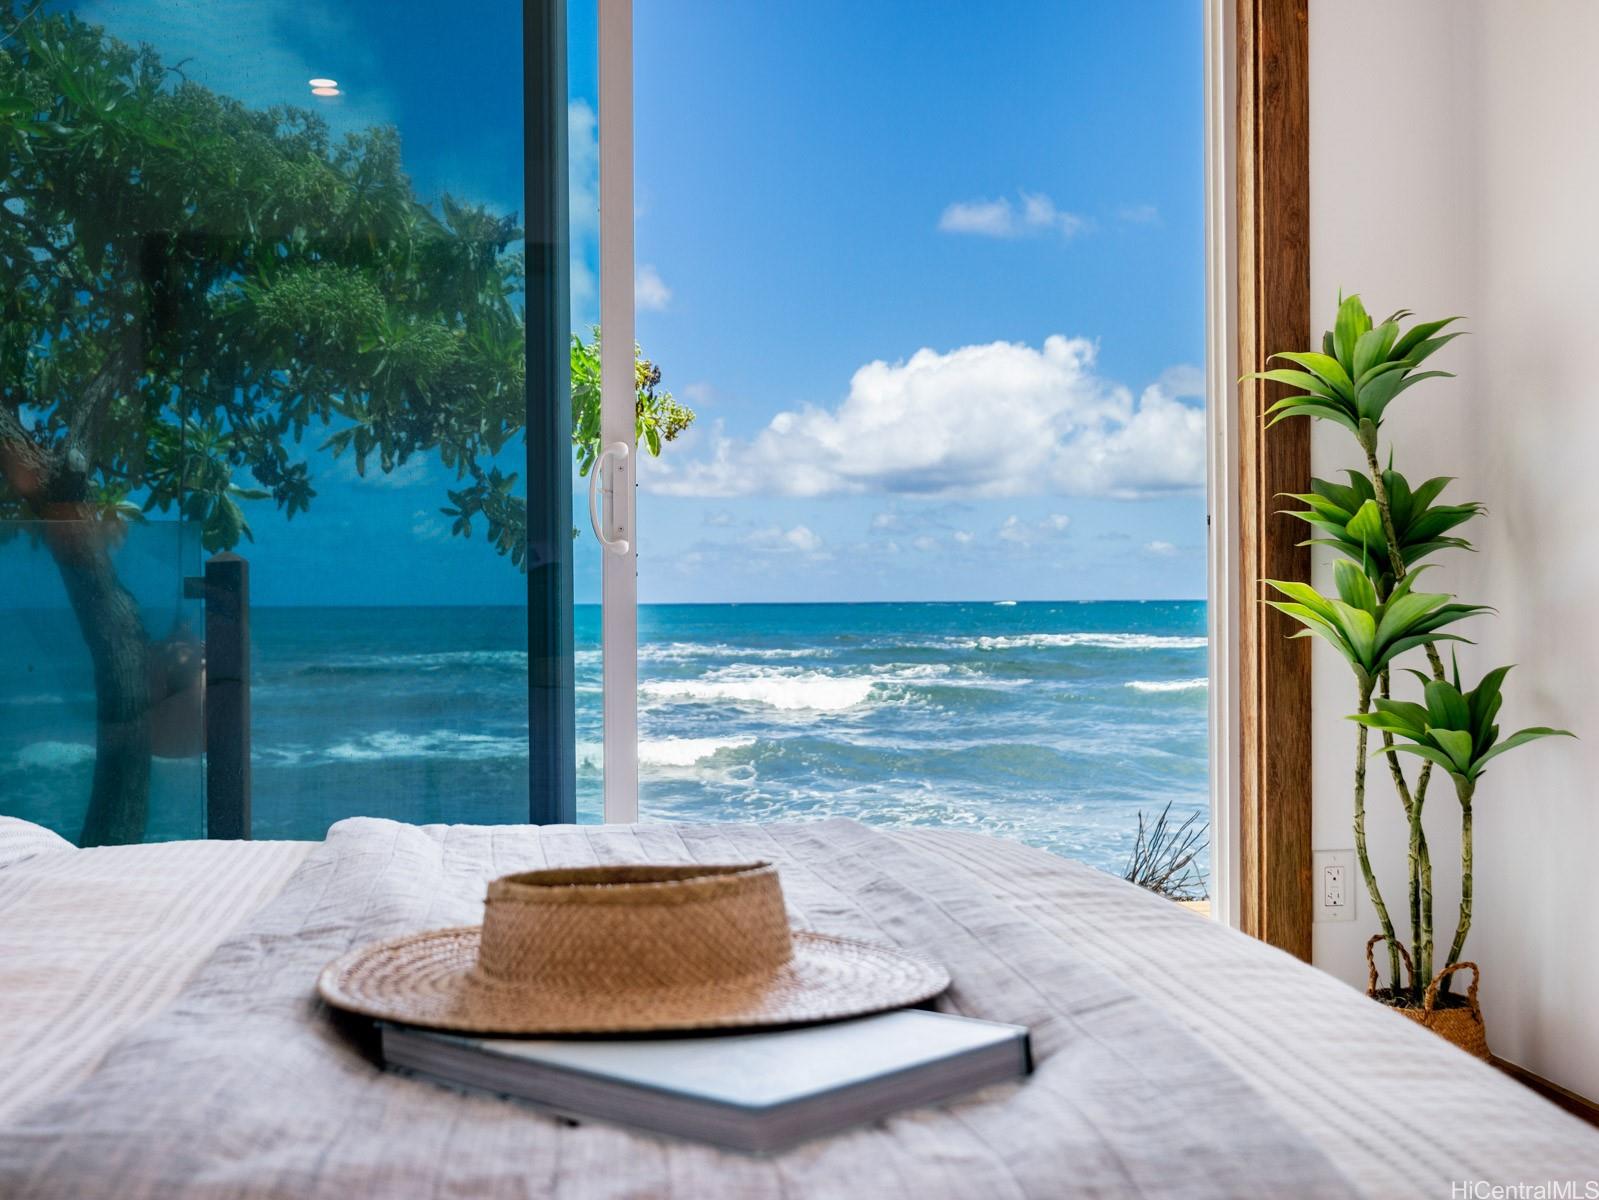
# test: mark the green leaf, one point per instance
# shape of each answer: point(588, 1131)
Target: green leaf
point(1299, 379)
point(1354, 586)
point(1446, 707)
point(1456, 743)
point(1350, 323)
point(1416, 335)
point(1411, 715)
point(1432, 753)
point(1327, 369)
point(1365, 527)
point(1520, 738)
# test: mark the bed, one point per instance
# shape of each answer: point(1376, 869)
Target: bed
point(160, 1037)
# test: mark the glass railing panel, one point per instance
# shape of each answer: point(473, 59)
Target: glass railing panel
point(102, 679)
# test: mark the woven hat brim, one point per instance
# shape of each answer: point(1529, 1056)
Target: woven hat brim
point(427, 979)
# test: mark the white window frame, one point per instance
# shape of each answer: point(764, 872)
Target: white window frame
point(1221, 427)
point(616, 472)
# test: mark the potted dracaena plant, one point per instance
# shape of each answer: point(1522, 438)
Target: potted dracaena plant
point(1382, 527)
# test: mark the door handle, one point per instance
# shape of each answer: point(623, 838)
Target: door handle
point(619, 451)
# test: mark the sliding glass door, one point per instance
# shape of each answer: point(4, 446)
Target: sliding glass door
point(297, 274)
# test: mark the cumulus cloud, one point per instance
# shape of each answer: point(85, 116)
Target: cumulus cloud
point(1159, 549)
point(774, 537)
point(963, 537)
point(1028, 533)
point(1034, 213)
point(649, 289)
point(995, 420)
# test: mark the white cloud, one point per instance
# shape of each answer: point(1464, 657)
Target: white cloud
point(649, 289)
point(963, 536)
point(1160, 549)
point(1036, 213)
point(411, 473)
point(583, 209)
point(1028, 533)
point(1002, 419)
point(925, 543)
point(719, 517)
point(426, 527)
point(775, 537)
point(1138, 214)
point(885, 520)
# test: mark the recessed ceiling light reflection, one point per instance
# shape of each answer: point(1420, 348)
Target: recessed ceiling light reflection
point(326, 91)
point(324, 83)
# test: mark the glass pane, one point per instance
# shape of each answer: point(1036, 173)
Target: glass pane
point(138, 775)
point(309, 218)
point(932, 550)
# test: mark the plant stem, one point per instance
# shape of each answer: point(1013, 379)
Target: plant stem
point(1420, 859)
point(1396, 557)
point(1360, 837)
point(1418, 841)
point(1464, 790)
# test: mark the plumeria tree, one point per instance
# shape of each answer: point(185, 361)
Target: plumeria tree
point(1382, 528)
point(194, 295)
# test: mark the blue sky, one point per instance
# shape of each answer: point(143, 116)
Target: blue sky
point(931, 275)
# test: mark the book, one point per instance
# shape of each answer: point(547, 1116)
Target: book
point(756, 1092)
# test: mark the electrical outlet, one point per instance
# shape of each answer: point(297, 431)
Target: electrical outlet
point(1335, 885)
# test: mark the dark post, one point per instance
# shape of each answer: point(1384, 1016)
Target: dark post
point(227, 697)
point(552, 735)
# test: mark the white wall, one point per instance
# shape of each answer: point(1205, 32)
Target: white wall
point(1455, 169)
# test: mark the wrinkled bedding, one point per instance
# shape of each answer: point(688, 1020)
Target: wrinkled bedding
point(1175, 1057)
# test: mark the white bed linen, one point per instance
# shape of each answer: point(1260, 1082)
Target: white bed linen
point(95, 941)
point(92, 942)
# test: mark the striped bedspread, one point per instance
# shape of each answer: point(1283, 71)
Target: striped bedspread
point(1178, 1058)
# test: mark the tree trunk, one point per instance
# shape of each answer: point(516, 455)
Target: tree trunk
point(108, 617)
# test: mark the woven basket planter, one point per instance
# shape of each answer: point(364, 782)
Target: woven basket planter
point(1456, 1019)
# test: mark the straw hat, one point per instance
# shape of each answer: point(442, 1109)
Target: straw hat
point(620, 949)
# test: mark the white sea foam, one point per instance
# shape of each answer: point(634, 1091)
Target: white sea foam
point(438, 743)
point(1099, 641)
point(54, 756)
point(1168, 685)
point(32, 699)
point(679, 651)
point(790, 691)
point(666, 751)
point(685, 752)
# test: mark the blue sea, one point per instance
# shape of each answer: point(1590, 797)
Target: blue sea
point(1054, 723)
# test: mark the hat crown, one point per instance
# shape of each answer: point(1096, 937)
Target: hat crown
point(609, 928)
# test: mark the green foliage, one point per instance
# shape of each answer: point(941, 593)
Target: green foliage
point(1383, 527)
point(1370, 632)
point(659, 418)
point(1351, 518)
point(1361, 369)
point(189, 287)
point(1454, 728)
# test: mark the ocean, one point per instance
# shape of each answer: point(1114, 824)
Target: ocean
point(1054, 723)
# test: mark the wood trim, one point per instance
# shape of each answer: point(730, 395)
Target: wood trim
point(1273, 167)
point(1577, 1106)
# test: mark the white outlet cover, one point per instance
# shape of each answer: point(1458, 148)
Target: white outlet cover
point(1335, 885)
